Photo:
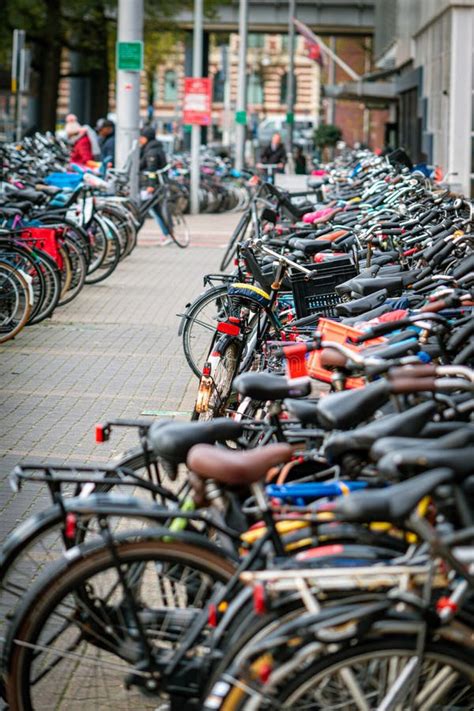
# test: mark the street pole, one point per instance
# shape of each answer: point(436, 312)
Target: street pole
point(17, 52)
point(290, 86)
point(241, 108)
point(130, 30)
point(331, 113)
point(196, 130)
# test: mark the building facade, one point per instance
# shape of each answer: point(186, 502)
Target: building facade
point(425, 50)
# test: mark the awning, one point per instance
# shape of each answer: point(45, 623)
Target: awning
point(373, 91)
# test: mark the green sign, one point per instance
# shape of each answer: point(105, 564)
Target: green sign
point(241, 117)
point(187, 128)
point(130, 56)
point(290, 117)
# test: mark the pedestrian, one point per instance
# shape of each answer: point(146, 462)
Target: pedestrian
point(94, 141)
point(81, 149)
point(152, 155)
point(300, 161)
point(105, 129)
point(274, 153)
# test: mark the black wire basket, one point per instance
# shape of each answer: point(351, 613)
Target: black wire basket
point(317, 294)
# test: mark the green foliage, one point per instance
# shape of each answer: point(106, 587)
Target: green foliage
point(327, 135)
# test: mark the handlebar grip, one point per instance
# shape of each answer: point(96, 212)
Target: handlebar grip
point(330, 358)
point(427, 370)
point(443, 253)
point(428, 217)
point(434, 306)
point(438, 229)
point(405, 385)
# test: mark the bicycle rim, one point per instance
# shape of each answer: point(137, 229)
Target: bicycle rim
point(75, 646)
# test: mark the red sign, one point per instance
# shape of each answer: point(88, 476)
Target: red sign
point(197, 101)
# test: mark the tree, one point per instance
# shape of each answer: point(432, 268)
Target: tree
point(88, 28)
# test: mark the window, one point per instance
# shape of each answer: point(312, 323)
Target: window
point(255, 89)
point(171, 86)
point(218, 87)
point(255, 41)
point(284, 89)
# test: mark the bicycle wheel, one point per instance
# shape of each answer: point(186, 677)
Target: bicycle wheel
point(111, 256)
point(23, 259)
point(65, 270)
point(79, 270)
point(52, 279)
point(237, 237)
point(39, 541)
point(362, 677)
point(76, 642)
point(199, 325)
point(222, 375)
point(179, 230)
point(15, 302)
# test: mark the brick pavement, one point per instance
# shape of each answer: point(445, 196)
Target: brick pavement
point(113, 352)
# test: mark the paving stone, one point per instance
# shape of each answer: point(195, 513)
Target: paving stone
point(113, 352)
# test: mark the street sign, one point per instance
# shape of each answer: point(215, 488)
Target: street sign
point(241, 117)
point(290, 117)
point(130, 56)
point(197, 101)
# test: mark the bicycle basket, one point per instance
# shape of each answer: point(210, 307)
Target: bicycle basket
point(318, 294)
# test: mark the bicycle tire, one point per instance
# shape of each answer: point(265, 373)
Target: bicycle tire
point(222, 377)
point(193, 317)
point(179, 230)
point(290, 692)
point(23, 258)
point(53, 286)
point(236, 238)
point(79, 270)
point(445, 654)
point(111, 256)
point(12, 276)
point(62, 582)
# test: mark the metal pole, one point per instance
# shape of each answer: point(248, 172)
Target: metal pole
point(196, 130)
point(18, 48)
point(241, 108)
point(332, 80)
point(290, 86)
point(130, 29)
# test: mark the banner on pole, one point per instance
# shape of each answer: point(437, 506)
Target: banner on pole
point(197, 101)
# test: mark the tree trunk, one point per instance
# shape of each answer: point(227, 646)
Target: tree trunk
point(50, 67)
point(99, 82)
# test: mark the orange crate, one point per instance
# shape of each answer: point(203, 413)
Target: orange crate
point(338, 333)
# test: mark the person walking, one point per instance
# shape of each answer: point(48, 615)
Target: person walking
point(274, 153)
point(300, 161)
point(152, 155)
point(81, 149)
point(105, 129)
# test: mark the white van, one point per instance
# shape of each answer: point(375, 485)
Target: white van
point(303, 130)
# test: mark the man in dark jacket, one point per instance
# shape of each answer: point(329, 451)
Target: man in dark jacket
point(152, 155)
point(275, 152)
point(105, 129)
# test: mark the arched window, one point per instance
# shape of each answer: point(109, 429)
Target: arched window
point(171, 86)
point(218, 87)
point(255, 89)
point(284, 89)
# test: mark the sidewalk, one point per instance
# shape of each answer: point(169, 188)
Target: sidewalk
point(113, 352)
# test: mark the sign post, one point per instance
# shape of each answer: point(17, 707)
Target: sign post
point(241, 109)
point(197, 103)
point(129, 57)
point(17, 83)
